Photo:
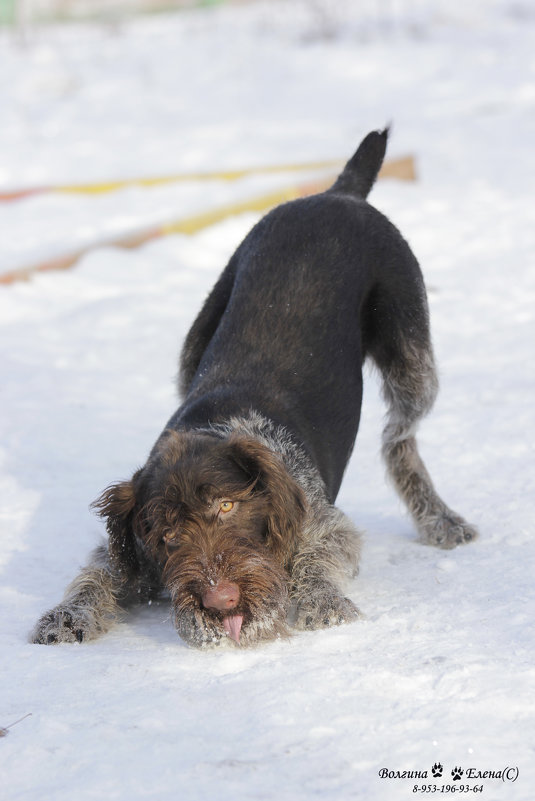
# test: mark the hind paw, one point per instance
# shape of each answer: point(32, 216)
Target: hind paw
point(448, 531)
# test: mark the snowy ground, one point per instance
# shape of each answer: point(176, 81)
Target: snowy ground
point(442, 669)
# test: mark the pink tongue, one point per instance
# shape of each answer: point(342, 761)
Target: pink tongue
point(232, 625)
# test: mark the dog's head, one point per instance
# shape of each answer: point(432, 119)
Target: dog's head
point(220, 521)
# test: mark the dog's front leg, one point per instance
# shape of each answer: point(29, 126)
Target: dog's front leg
point(89, 607)
point(327, 558)
point(196, 628)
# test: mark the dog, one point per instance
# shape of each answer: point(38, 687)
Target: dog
point(233, 513)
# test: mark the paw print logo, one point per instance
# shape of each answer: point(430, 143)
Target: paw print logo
point(436, 770)
point(457, 774)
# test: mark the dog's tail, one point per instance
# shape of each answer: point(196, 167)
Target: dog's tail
point(362, 169)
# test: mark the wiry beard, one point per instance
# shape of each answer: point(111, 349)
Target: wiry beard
point(263, 605)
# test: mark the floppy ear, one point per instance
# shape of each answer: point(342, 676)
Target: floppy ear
point(117, 504)
point(286, 498)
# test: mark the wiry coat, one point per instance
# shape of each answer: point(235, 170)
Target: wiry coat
point(233, 512)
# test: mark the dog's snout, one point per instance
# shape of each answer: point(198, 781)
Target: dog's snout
point(225, 595)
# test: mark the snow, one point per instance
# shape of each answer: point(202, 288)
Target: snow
point(442, 668)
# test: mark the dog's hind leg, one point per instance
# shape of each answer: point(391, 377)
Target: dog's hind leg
point(409, 390)
point(402, 351)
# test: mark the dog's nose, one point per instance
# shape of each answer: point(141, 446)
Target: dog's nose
point(225, 595)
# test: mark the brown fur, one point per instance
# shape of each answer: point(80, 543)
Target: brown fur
point(178, 529)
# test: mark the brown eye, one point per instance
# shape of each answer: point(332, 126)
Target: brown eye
point(169, 535)
point(226, 506)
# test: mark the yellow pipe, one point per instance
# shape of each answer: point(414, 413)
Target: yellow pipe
point(402, 169)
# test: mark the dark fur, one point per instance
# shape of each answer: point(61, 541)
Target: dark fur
point(271, 376)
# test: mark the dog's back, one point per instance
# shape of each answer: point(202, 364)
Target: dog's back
point(293, 316)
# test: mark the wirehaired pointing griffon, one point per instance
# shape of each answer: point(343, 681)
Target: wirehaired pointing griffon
point(233, 512)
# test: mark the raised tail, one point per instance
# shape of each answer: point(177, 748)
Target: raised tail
point(361, 170)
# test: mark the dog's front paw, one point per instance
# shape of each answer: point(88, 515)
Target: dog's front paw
point(197, 629)
point(62, 624)
point(324, 611)
point(448, 531)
